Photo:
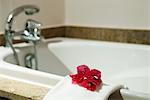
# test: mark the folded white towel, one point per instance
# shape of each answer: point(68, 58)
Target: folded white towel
point(65, 90)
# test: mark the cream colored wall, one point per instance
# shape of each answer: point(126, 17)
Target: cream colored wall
point(0, 15)
point(5, 9)
point(97, 13)
point(149, 12)
point(51, 12)
point(108, 13)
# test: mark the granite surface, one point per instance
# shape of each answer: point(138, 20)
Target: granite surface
point(108, 34)
point(2, 39)
point(53, 32)
point(17, 90)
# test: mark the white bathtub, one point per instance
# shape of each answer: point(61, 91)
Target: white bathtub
point(126, 64)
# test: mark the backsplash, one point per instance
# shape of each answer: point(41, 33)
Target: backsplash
point(2, 39)
point(53, 32)
point(109, 34)
point(103, 34)
point(46, 33)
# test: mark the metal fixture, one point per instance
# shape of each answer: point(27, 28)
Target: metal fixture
point(31, 32)
point(30, 61)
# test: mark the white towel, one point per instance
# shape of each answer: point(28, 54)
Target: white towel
point(65, 90)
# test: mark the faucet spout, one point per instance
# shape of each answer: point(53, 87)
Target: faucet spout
point(27, 9)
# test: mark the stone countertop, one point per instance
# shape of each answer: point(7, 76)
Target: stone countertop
point(17, 90)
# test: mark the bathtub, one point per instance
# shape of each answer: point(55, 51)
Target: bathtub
point(127, 64)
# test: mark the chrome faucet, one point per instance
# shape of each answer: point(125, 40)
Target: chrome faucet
point(31, 32)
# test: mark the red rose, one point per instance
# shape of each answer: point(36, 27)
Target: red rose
point(89, 79)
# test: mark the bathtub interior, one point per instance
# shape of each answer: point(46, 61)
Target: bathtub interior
point(47, 61)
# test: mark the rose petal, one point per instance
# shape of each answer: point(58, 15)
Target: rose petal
point(77, 78)
point(89, 85)
point(95, 72)
point(96, 76)
point(83, 69)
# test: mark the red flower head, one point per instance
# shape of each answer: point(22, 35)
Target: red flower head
point(89, 79)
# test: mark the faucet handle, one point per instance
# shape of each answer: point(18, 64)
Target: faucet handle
point(32, 31)
point(31, 24)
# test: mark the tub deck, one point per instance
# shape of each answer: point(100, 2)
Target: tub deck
point(18, 90)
